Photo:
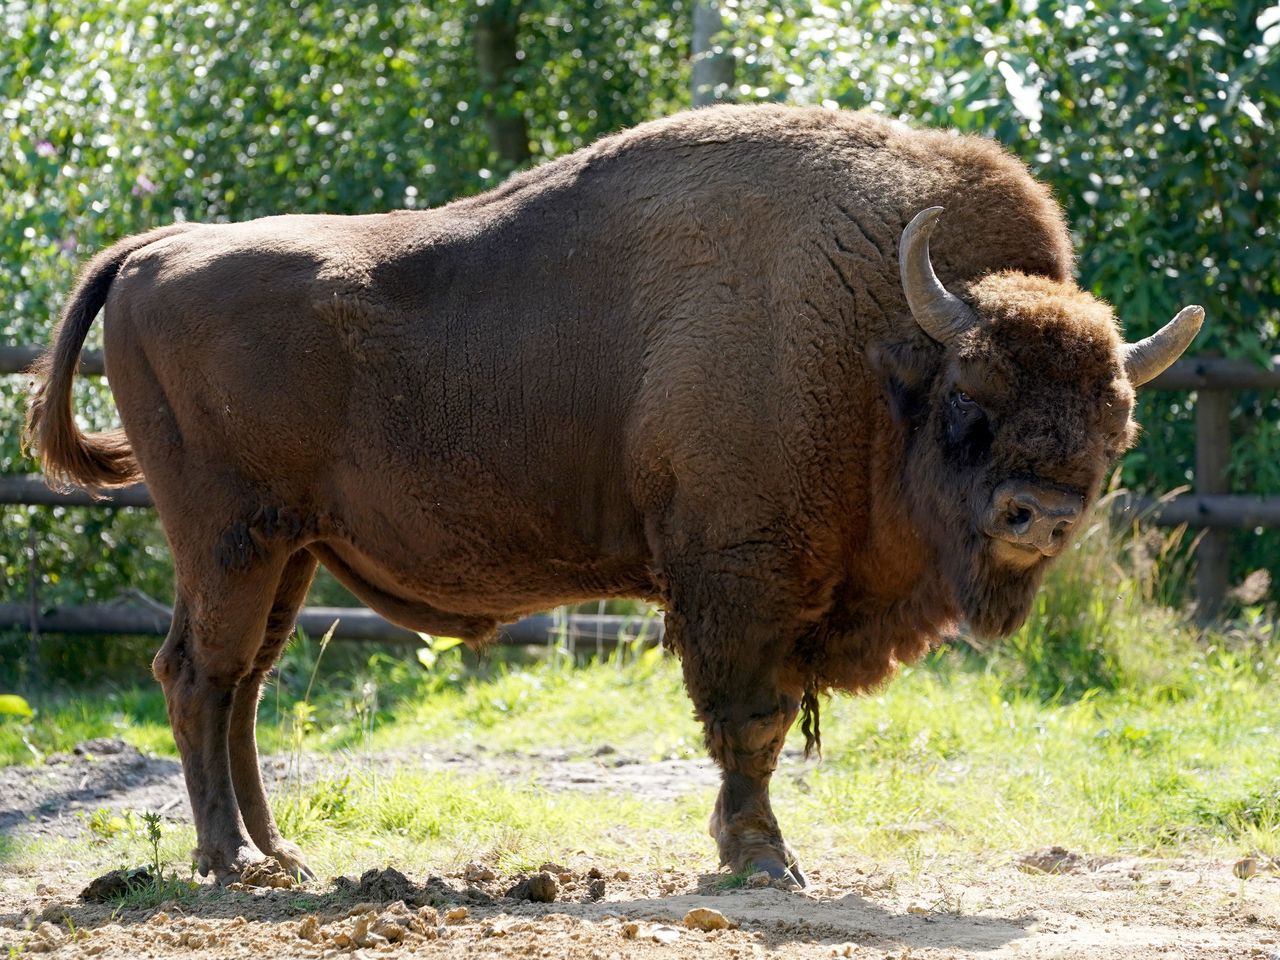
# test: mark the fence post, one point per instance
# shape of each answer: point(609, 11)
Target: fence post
point(33, 607)
point(1213, 454)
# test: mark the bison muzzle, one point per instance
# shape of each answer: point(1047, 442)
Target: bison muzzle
point(734, 362)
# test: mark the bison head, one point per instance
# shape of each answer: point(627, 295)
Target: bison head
point(1011, 427)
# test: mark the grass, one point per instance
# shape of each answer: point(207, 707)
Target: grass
point(1108, 724)
point(944, 759)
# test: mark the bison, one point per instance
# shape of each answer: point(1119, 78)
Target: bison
point(734, 362)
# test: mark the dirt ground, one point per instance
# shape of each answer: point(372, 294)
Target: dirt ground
point(1032, 904)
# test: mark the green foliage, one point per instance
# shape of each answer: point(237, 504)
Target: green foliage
point(1153, 122)
point(12, 705)
point(1104, 618)
point(104, 825)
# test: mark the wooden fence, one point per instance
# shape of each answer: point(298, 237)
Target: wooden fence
point(1211, 506)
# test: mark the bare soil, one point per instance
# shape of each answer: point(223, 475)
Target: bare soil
point(1036, 904)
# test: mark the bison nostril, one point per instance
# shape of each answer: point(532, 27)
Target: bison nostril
point(1019, 519)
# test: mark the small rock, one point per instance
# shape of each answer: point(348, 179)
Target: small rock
point(621, 875)
point(309, 929)
point(565, 879)
point(540, 888)
point(662, 933)
point(630, 930)
point(389, 928)
point(704, 918)
point(595, 889)
point(46, 939)
point(426, 923)
point(363, 933)
point(456, 915)
point(553, 868)
point(1050, 860)
point(595, 874)
point(761, 879)
point(1246, 869)
point(477, 873)
point(100, 747)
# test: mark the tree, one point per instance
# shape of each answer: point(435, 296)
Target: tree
point(712, 64)
point(497, 25)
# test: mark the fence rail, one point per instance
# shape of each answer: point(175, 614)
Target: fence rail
point(1211, 505)
point(604, 631)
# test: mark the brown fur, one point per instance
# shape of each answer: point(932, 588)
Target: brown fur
point(676, 365)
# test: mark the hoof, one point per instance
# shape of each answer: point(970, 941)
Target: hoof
point(289, 856)
point(790, 875)
point(225, 869)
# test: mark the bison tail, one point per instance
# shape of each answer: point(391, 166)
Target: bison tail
point(70, 456)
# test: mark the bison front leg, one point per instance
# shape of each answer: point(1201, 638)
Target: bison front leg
point(745, 741)
point(732, 654)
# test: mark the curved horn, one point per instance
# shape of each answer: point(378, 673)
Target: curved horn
point(1147, 359)
point(941, 314)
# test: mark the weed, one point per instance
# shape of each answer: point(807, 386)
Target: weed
point(152, 821)
point(733, 881)
point(104, 825)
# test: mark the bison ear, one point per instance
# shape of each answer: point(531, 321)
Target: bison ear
point(905, 371)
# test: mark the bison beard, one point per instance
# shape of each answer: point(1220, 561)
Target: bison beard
point(710, 362)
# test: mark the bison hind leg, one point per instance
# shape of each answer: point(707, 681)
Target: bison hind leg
point(242, 742)
point(218, 625)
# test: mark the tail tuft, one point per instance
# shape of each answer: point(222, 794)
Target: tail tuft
point(811, 723)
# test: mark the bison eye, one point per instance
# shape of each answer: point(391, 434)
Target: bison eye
point(964, 403)
point(968, 433)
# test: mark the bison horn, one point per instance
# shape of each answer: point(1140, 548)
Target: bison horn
point(1147, 359)
point(940, 313)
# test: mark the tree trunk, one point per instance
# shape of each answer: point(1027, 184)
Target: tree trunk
point(712, 64)
point(497, 26)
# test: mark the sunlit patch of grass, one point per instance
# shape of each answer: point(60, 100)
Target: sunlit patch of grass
point(640, 708)
point(421, 823)
point(447, 819)
point(943, 759)
point(948, 758)
point(136, 715)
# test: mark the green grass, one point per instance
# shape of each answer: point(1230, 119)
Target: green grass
point(945, 758)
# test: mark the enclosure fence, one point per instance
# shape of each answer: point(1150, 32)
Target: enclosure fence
point(1211, 505)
